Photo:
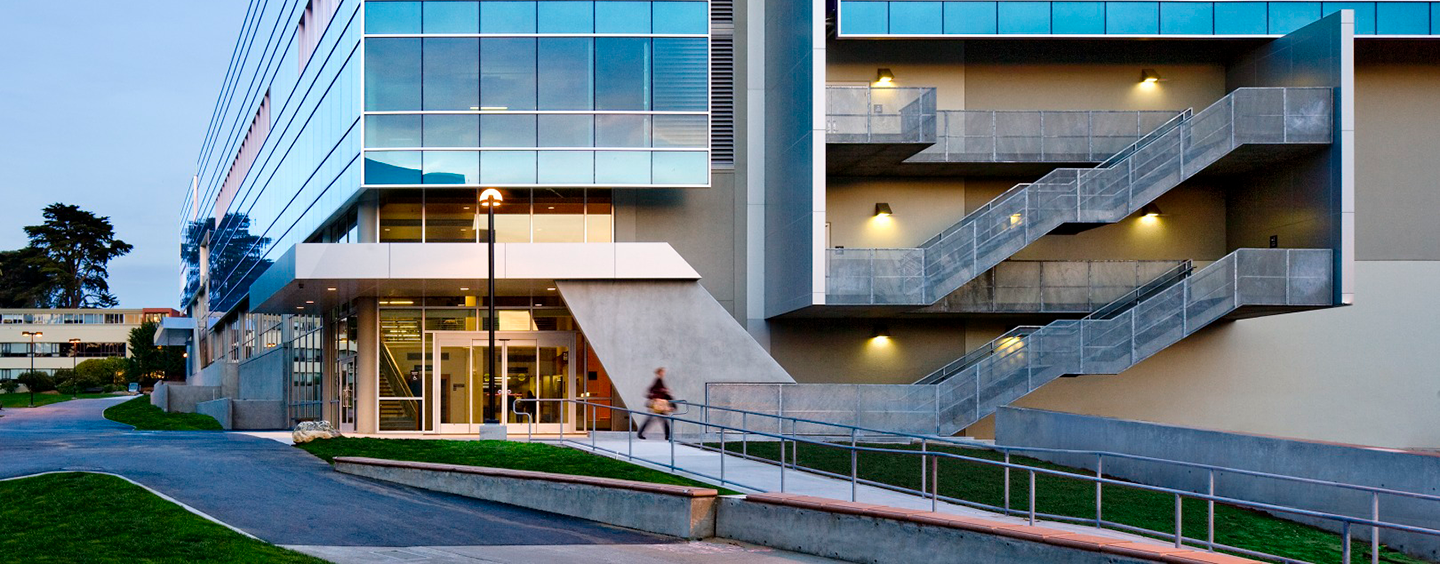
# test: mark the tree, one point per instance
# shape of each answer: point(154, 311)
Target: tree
point(77, 247)
point(102, 372)
point(150, 361)
point(23, 282)
point(36, 381)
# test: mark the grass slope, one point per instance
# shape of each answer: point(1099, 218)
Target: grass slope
point(1155, 511)
point(19, 399)
point(94, 518)
point(495, 454)
point(146, 417)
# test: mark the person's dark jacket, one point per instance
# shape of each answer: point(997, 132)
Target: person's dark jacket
point(659, 391)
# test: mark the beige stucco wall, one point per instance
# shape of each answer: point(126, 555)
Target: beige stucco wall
point(1095, 86)
point(922, 206)
point(841, 350)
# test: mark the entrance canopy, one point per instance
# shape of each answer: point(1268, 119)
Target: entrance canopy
point(311, 277)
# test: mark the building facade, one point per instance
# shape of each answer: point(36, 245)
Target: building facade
point(1177, 206)
point(65, 337)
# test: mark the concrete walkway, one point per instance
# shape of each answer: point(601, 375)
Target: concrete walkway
point(705, 465)
point(285, 496)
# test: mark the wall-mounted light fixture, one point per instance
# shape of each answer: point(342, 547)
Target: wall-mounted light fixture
point(1149, 76)
point(1150, 210)
point(883, 77)
point(882, 209)
point(881, 333)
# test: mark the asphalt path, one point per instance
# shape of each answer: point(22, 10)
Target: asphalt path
point(276, 492)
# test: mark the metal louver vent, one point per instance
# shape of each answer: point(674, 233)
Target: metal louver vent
point(722, 83)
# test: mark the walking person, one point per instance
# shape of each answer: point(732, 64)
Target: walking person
point(658, 400)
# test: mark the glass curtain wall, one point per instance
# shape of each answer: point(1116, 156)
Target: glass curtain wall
point(621, 100)
point(542, 215)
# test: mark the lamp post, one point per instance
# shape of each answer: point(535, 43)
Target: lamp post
point(74, 362)
point(490, 198)
point(33, 335)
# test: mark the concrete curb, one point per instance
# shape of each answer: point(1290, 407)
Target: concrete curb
point(677, 511)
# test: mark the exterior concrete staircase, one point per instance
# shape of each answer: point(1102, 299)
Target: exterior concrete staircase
point(1161, 160)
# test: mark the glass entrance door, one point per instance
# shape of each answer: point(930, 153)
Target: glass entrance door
point(532, 365)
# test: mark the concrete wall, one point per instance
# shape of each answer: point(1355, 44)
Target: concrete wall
point(705, 226)
point(180, 398)
point(842, 351)
point(1412, 472)
point(219, 409)
point(259, 414)
point(859, 538)
point(794, 195)
point(263, 376)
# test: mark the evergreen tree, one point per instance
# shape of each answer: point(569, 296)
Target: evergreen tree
point(76, 248)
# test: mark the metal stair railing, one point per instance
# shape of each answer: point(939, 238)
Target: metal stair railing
point(390, 374)
point(719, 429)
point(1132, 178)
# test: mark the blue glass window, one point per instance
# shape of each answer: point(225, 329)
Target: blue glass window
point(392, 167)
point(566, 73)
point(392, 17)
point(1132, 18)
point(969, 17)
point(864, 18)
point(1240, 18)
point(622, 73)
point(1435, 18)
point(567, 131)
point(507, 167)
point(674, 167)
point(1079, 17)
point(623, 130)
point(507, 73)
point(1187, 18)
point(451, 167)
point(392, 74)
point(682, 68)
point(622, 17)
point(445, 130)
point(567, 167)
point(1402, 18)
point(451, 17)
point(566, 17)
point(451, 74)
point(622, 167)
point(385, 131)
point(916, 18)
point(1286, 17)
point(680, 131)
point(507, 131)
point(1364, 14)
point(1024, 17)
point(682, 17)
point(507, 17)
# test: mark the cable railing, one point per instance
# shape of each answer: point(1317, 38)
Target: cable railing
point(716, 429)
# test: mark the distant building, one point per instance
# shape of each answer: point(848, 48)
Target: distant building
point(103, 333)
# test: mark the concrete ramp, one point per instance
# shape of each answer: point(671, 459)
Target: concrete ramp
point(636, 326)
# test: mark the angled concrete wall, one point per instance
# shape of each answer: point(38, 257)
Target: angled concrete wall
point(1384, 468)
point(637, 326)
point(219, 409)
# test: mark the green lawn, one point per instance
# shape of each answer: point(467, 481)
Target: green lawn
point(496, 454)
point(23, 399)
point(1151, 510)
point(95, 518)
point(146, 417)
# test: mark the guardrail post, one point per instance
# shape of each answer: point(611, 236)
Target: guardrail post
point(934, 483)
point(1210, 513)
point(854, 473)
point(674, 429)
point(922, 463)
point(722, 456)
point(1099, 474)
point(1032, 498)
point(1345, 542)
point(1179, 537)
point(1374, 529)
point(1007, 482)
point(781, 429)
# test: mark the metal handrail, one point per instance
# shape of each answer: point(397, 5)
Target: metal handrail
point(1156, 285)
point(1148, 138)
point(930, 462)
point(974, 357)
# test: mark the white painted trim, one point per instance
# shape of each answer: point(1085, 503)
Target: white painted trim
point(1347, 156)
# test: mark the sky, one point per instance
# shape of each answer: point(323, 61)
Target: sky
point(104, 105)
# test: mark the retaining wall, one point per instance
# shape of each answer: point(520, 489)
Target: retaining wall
point(219, 409)
point(1376, 467)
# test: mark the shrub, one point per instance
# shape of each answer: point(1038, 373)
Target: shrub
point(37, 381)
point(10, 385)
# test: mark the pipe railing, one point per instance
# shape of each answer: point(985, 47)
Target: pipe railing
point(715, 432)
